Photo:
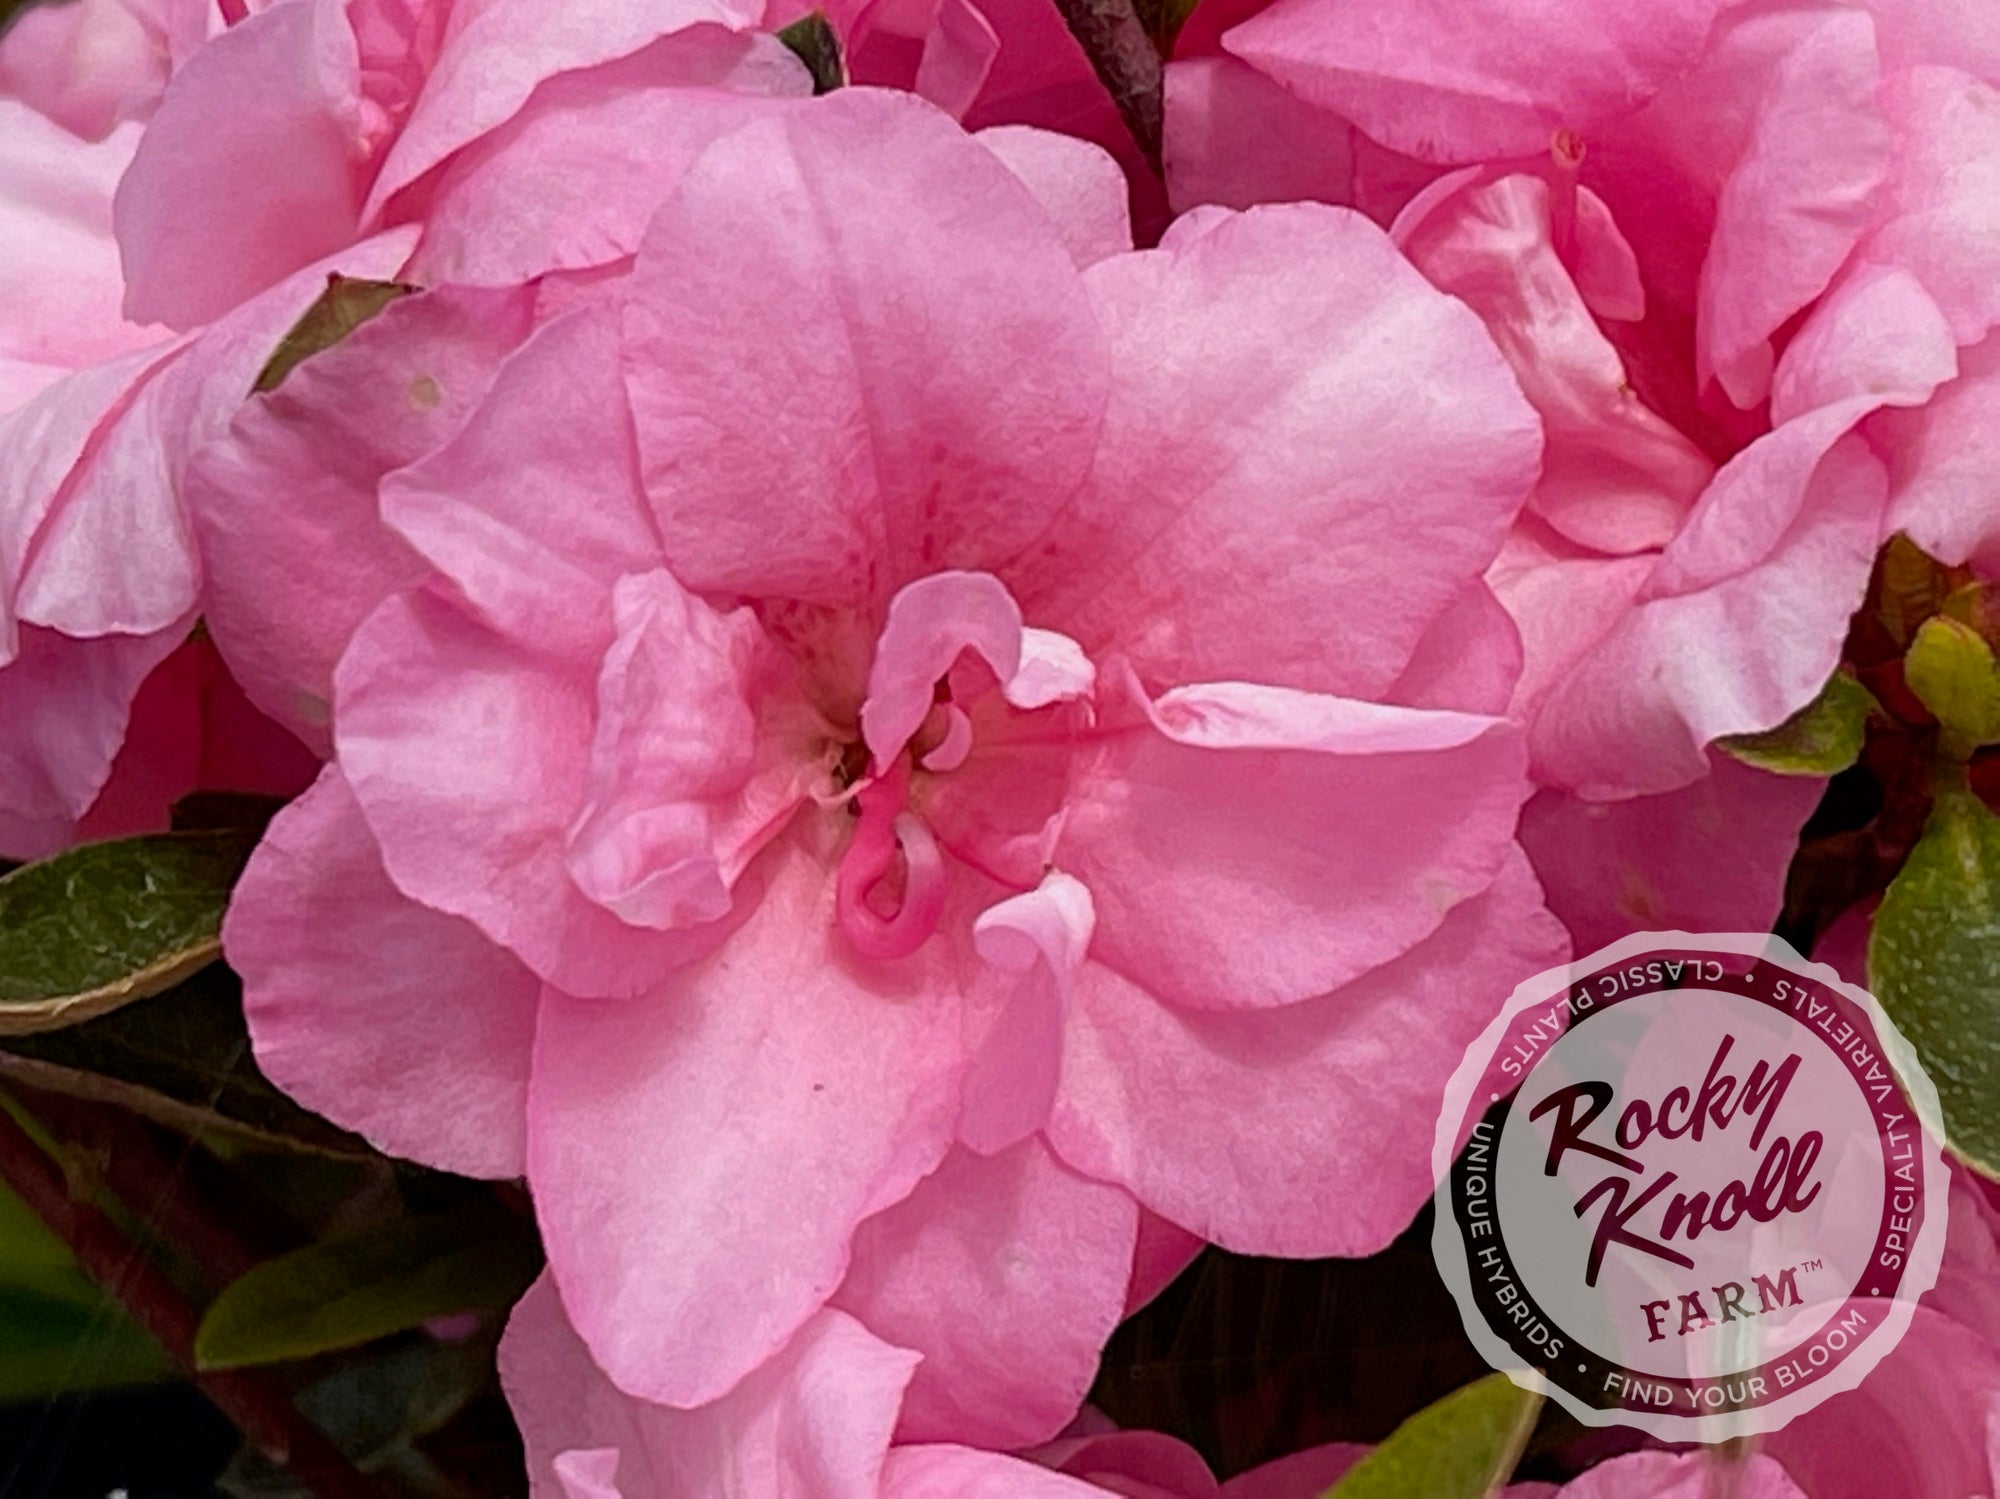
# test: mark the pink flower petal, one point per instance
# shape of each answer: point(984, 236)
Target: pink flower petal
point(1469, 659)
point(1739, 626)
point(957, 59)
point(588, 1473)
point(1302, 1475)
point(1451, 81)
point(1041, 1253)
point(570, 182)
point(495, 511)
point(61, 286)
point(248, 171)
point(1615, 476)
point(1235, 527)
point(782, 1095)
point(671, 818)
point(91, 65)
point(1796, 201)
point(1262, 846)
point(1683, 1475)
point(1077, 183)
point(470, 757)
point(1033, 945)
point(44, 440)
point(113, 553)
point(918, 335)
point(814, 1420)
point(64, 706)
point(1164, 1250)
point(1939, 219)
point(498, 51)
point(1877, 333)
point(1143, 1464)
point(952, 1472)
point(1942, 458)
point(285, 504)
point(1710, 857)
point(1299, 1131)
point(392, 1019)
point(1237, 139)
point(930, 622)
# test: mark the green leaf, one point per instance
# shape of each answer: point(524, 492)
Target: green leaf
point(1821, 739)
point(1951, 670)
point(1934, 962)
point(1976, 604)
point(1909, 586)
point(59, 1333)
point(104, 924)
point(181, 1059)
point(349, 1291)
point(1463, 1447)
point(345, 305)
point(814, 42)
point(377, 1410)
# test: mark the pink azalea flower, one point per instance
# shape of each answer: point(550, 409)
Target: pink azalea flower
point(367, 137)
point(910, 791)
point(816, 1419)
point(1734, 255)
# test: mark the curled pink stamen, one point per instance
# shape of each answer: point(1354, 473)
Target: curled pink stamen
point(883, 829)
point(956, 741)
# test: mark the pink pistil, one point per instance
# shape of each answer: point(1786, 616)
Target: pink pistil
point(884, 827)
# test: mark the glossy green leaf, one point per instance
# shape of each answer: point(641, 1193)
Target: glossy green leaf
point(814, 42)
point(1463, 1447)
point(345, 305)
point(181, 1059)
point(344, 1292)
point(103, 924)
point(1934, 962)
point(1821, 739)
point(1950, 668)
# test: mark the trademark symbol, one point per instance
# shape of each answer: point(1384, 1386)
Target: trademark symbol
point(1809, 1265)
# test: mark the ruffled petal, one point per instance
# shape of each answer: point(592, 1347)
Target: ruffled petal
point(1289, 509)
point(533, 510)
point(249, 171)
point(394, 1020)
point(1301, 1131)
point(1451, 81)
point(1077, 183)
point(1711, 857)
point(918, 335)
point(285, 505)
point(778, 1093)
point(1043, 1254)
point(470, 757)
point(1257, 846)
point(815, 1419)
point(570, 182)
point(498, 51)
